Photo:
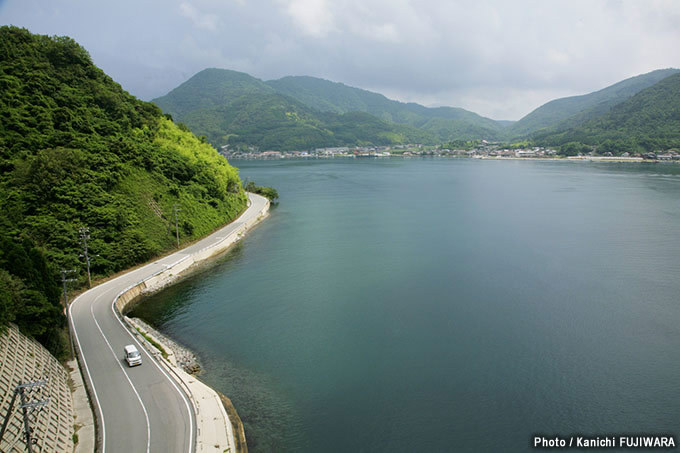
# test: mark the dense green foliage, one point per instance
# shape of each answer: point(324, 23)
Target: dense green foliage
point(463, 144)
point(211, 88)
point(573, 149)
point(304, 113)
point(326, 96)
point(77, 150)
point(29, 293)
point(444, 123)
point(265, 191)
point(569, 112)
point(234, 108)
point(648, 121)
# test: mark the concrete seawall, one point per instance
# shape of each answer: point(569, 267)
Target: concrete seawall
point(175, 270)
point(214, 426)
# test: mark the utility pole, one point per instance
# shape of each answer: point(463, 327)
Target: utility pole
point(84, 236)
point(26, 407)
point(64, 280)
point(176, 209)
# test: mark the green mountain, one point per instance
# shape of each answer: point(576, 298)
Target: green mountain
point(648, 121)
point(565, 113)
point(76, 150)
point(303, 112)
point(445, 123)
point(212, 88)
point(230, 107)
point(325, 96)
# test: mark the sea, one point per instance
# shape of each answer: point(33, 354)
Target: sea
point(442, 304)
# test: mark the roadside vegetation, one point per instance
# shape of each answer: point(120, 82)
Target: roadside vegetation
point(153, 342)
point(268, 192)
point(30, 295)
point(77, 151)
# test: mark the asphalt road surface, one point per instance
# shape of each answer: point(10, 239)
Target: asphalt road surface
point(140, 408)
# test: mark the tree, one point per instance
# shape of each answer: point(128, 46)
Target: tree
point(268, 192)
point(573, 149)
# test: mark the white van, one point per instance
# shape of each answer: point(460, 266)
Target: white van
point(132, 355)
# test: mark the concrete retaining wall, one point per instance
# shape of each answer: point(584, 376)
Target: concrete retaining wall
point(175, 270)
point(23, 360)
point(214, 426)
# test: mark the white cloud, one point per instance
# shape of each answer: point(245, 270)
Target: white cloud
point(498, 58)
point(199, 19)
point(313, 17)
point(558, 57)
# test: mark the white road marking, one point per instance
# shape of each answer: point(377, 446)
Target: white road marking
point(84, 361)
point(89, 376)
point(116, 358)
point(172, 381)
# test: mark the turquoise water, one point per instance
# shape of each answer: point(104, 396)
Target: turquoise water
point(439, 305)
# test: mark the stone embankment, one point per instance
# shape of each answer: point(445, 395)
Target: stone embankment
point(24, 360)
point(178, 355)
point(214, 426)
point(175, 270)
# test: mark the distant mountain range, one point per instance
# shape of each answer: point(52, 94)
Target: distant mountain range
point(233, 107)
point(230, 107)
point(646, 121)
point(444, 123)
point(306, 112)
point(565, 113)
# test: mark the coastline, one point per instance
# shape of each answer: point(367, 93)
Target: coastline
point(182, 357)
point(610, 159)
point(194, 254)
point(214, 427)
point(275, 404)
point(212, 409)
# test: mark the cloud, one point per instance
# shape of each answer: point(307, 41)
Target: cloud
point(313, 17)
point(498, 58)
point(200, 20)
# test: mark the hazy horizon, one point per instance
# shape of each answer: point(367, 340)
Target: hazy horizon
point(496, 59)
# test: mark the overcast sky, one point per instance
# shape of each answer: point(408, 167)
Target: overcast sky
point(500, 59)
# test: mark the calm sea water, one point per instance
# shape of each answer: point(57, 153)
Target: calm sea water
point(443, 305)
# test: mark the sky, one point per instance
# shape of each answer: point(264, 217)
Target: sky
point(501, 59)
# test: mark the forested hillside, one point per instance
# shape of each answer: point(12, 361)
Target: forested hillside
point(78, 151)
point(301, 112)
point(230, 107)
point(647, 122)
point(565, 113)
point(444, 123)
point(211, 88)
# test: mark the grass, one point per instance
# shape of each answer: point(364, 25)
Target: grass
point(154, 343)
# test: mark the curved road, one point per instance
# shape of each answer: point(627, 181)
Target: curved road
point(140, 408)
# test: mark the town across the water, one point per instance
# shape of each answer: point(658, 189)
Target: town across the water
point(486, 150)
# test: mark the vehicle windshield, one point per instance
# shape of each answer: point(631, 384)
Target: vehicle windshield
point(133, 354)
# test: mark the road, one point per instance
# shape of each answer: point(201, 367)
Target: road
point(140, 408)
